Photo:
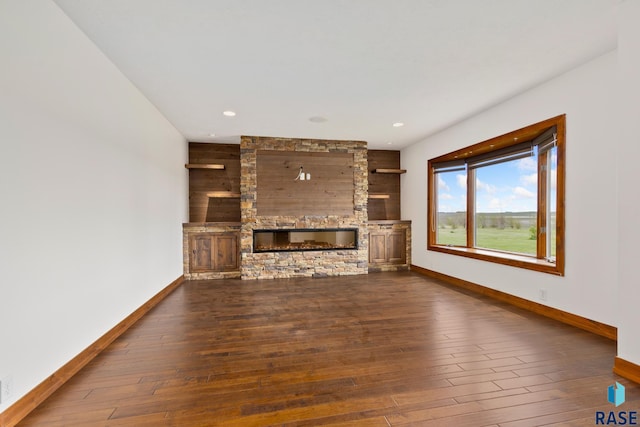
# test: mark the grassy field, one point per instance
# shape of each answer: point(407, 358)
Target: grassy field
point(507, 239)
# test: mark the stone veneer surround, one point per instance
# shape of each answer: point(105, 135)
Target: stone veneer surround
point(270, 265)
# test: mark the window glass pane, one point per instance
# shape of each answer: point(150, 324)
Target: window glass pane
point(514, 187)
point(506, 206)
point(552, 200)
point(451, 208)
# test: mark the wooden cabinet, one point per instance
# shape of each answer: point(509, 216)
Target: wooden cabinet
point(397, 247)
point(226, 252)
point(213, 252)
point(377, 247)
point(389, 245)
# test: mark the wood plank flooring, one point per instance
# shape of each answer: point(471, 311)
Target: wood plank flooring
point(385, 349)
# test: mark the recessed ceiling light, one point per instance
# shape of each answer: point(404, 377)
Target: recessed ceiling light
point(212, 135)
point(318, 119)
point(398, 124)
point(229, 113)
point(389, 143)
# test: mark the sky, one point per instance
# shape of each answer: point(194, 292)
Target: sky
point(504, 187)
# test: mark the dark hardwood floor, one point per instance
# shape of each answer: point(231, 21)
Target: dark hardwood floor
point(386, 349)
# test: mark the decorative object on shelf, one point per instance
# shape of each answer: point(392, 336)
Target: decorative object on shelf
point(302, 176)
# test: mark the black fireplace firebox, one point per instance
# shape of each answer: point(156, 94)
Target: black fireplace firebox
point(305, 239)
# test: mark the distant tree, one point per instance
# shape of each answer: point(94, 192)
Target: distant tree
point(513, 222)
point(482, 220)
point(451, 222)
point(533, 233)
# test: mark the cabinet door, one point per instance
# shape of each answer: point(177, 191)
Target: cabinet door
point(226, 248)
point(201, 247)
point(396, 247)
point(377, 247)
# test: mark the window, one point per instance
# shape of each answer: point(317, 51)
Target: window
point(502, 200)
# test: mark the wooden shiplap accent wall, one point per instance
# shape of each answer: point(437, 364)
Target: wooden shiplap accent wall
point(204, 182)
point(383, 208)
point(329, 192)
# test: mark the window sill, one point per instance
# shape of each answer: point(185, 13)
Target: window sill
point(505, 258)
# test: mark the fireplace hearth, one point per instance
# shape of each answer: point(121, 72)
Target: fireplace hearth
point(307, 239)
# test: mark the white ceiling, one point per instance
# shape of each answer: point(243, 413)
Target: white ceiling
point(361, 64)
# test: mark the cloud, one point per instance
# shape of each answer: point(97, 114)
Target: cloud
point(445, 196)
point(528, 164)
point(480, 185)
point(495, 204)
point(523, 192)
point(491, 189)
point(531, 179)
point(442, 185)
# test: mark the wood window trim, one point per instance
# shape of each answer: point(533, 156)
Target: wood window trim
point(535, 263)
point(541, 222)
point(498, 257)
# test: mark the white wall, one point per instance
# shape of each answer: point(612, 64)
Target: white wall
point(93, 192)
point(587, 96)
point(628, 179)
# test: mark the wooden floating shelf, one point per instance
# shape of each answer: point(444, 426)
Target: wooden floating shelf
point(222, 195)
point(204, 166)
point(378, 196)
point(390, 170)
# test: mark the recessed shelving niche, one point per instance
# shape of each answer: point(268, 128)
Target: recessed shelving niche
point(214, 182)
point(384, 185)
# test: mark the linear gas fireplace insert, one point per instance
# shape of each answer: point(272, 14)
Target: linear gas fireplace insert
point(306, 239)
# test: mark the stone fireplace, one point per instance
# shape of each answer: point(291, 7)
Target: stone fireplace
point(277, 219)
